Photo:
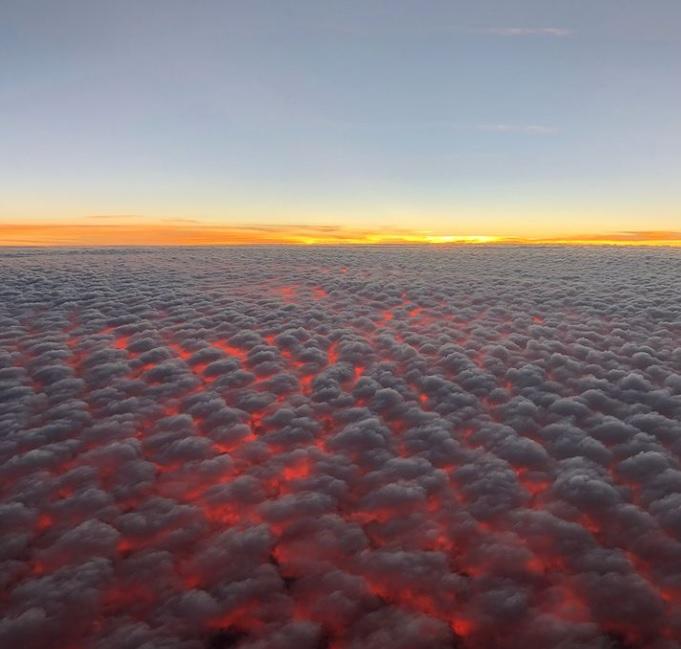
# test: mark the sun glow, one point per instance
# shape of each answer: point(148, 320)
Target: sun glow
point(200, 234)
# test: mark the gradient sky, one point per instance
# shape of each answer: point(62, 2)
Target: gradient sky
point(509, 118)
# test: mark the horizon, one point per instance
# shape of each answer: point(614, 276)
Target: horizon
point(60, 236)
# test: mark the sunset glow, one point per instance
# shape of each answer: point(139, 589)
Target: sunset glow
point(65, 235)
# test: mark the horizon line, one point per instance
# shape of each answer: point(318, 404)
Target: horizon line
point(79, 235)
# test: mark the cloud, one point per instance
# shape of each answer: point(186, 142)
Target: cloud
point(529, 129)
point(260, 447)
point(554, 32)
point(113, 216)
point(661, 237)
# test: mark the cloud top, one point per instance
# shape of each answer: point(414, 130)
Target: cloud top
point(278, 447)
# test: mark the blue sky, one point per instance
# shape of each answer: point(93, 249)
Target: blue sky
point(491, 117)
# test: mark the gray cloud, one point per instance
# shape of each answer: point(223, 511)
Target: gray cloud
point(395, 447)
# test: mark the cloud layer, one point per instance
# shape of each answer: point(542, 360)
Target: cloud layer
point(291, 448)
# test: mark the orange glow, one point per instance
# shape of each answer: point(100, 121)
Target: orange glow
point(462, 626)
point(163, 234)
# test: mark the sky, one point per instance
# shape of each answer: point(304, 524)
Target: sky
point(159, 121)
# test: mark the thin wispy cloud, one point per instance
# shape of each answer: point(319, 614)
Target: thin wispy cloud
point(556, 32)
point(112, 216)
point(624, 236)
point(529, 129)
